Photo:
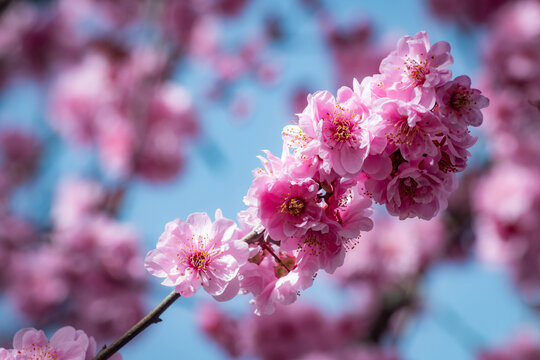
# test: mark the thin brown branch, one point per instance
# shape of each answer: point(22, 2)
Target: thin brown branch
point(151, 318)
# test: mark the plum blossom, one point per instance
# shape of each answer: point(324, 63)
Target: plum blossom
point(337, 127)
point(197, 252)
point(459, 104)
point(65, 344)
point(414, 191)
point(408, 127)
point(286, 206)
point(272, 282)
point(416, 67)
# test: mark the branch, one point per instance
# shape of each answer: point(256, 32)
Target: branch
point(153, 316)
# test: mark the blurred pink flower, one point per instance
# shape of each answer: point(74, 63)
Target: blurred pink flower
point(466, 13)
point(20, 153)
point(76, 199)
point(507, 205)
point(65, 344)
point(290, 332)
point(393, 251)
point(226, 331)
point(354, 50)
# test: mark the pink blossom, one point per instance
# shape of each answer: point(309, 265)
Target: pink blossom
point(414, 191)
point(286, 206)
point(459, 104)
point(415, 68)
point(350, 209)
point(65, 344)
point(198, 252)
point(274, 283)
point(338, 126)
point(409, 127)
point(454, 151)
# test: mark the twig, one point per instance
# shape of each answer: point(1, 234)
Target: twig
point(151, 318)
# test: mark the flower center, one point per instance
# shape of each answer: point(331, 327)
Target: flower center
point(342, 132)
point(403, 133)
point(294, 207)
point(408, 189)
point(340, 127)
point(38, 352)
point(416, 71)
point(198, 260)
point(459, 100)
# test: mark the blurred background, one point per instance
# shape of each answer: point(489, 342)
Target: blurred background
point(117, 117)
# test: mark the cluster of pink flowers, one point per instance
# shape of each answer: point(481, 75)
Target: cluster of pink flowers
point(293, 332)
point(65, 344)
point(120, 97)
point(88, 274)
point(398, 137)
